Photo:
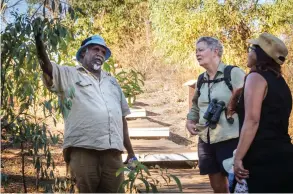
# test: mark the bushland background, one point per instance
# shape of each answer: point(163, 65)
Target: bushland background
point(151, 40)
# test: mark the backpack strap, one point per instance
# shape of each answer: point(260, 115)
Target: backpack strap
point(199, 83)
point(227, 79)
point(227, 76)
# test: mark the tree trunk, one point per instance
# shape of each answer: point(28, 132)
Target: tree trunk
point(22, 163)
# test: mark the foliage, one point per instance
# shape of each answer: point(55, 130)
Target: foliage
point(118, 21)
point(131, 81)
point(60, 185)
point(178, 23)
point(140, 177)
point(23, 97)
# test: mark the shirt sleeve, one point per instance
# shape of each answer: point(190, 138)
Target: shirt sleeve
point(237, 78)
point(124, 105)
point(194, 111)
point(61, 76)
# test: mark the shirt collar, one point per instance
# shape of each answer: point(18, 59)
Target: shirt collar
point(80, 68)
point(220, 69)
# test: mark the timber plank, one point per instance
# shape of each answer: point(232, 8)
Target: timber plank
point(137, 113)
point(161, 150)
point(191, 181)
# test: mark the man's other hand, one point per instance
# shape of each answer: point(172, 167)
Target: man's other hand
point(130, 155)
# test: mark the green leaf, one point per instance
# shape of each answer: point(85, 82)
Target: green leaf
point(69, 9)
point(65, 184)
point(42, 173)
point(166, 181)
point(17, 27)
point(131, 175)
point(72, 14)
point(53, 5)
point(106, 67)
point(60, 8)
point(4, 177)
point(71, 92)
point(44, 11)
point(55, 122)
point(68, 104)
point(65, 112)
point(46, 174)
point(51, 174)
point(177, 182)
point(131, 184)
point(120, 170)
point(48, 159)
point(53, 164)
point(122, 186)
point(154, 188)
point(147, 186)
point(23, 107)
point(38, 164)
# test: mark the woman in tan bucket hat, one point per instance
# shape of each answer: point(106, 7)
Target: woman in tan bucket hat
point(264, 155)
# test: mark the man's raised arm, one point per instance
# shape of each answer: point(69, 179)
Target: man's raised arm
point(44, 59)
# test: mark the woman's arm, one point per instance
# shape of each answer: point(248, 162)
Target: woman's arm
point(193, 115)
point(254, 93)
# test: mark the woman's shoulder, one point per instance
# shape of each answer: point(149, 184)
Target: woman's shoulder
point(268, 75)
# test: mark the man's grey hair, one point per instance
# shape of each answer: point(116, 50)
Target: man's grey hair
point(212, 43)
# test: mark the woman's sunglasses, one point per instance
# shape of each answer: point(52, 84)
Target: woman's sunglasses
point(250, 48)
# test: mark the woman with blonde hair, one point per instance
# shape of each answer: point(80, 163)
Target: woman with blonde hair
point(218, 137)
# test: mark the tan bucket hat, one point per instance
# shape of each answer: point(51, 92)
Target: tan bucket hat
point(272, 46)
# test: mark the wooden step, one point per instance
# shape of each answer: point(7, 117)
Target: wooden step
point(137, 113)
point(146, 127)
point(149, 132)
point(161, 150)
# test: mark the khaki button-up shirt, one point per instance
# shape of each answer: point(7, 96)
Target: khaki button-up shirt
point(95, 119)
point(221, 92)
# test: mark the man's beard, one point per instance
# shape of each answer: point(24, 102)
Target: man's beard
point(97, 67)
point(97, 64)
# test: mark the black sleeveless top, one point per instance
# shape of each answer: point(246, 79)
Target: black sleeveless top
point(272, 143)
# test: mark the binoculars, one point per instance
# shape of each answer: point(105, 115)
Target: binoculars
point(213, 113)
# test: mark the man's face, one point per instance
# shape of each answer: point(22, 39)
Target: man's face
point(93, 58)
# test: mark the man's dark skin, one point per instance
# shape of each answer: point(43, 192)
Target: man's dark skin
point(92, 59)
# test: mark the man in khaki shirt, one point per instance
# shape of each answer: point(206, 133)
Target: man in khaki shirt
point(96, 130)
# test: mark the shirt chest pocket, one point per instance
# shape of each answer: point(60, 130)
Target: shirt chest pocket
point(86, 88)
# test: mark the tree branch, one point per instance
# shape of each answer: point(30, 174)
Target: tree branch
point(14, 4)
point(37, 11)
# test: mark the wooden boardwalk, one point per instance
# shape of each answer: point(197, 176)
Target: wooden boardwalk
point(191, 180)
point(161, 150)
point(151, 147)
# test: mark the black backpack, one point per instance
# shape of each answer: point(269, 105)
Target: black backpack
point(226, 79)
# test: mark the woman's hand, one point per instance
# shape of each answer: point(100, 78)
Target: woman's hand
point(190, 125)
point(239, 171)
